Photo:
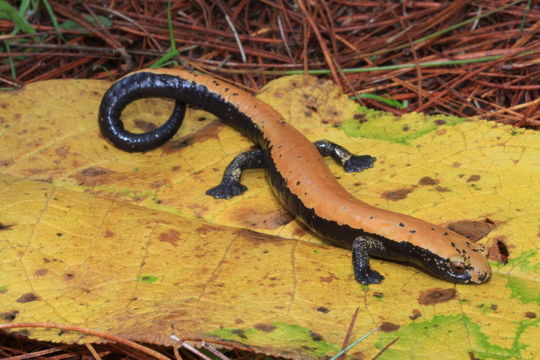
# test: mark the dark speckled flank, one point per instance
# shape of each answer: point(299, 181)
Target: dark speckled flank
point(344, 235)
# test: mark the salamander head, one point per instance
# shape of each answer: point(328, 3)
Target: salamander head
point(457, 259)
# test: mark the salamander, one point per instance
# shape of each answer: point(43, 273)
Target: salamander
point(298, 174)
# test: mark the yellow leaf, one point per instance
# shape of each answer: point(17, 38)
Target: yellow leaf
point(130, 244)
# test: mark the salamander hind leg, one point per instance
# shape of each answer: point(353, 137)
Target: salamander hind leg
point(362, 271)
point(230, 185)
point(349, 161)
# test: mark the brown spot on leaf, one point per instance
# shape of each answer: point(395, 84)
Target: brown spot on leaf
point(240, 333)
point(262, 220)
point(257, 237)
point(415, 314)
point(28, 297)
point(145, 126)
point(473, 230)
point(298, 232)
point(69, 276)
point(6, 226)
point(312, 108)
point(530, 315)
point(315, 336)
point(265, 327)
point(436, 296)
point(9, 315)
point(360, 117)
point(209, 131)
point(473, 178)
point(426, 180)
point(498, 250)
point(442, 189)
point(440, 122)
point(332, 112)
point(328, 279)
point(323, 310)
point(62, 151)
point(205, 229)
point(41, 272)
point(388, 327)
point(159, 183)
point(109, 233)
point(6, 162)
point(92, 176)
point(396, 195)
point(172, 237)
point(94, 171)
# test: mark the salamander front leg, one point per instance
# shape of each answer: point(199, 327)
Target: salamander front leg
point(360, 251)
point(350, 162)
point(230, 184)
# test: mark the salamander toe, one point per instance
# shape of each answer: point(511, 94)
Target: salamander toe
point(357, 163)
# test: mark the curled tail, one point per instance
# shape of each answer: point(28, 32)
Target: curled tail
point(121, 94)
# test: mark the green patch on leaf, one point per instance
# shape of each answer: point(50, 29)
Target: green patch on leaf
point(3, 289)
point(401, 130)
point(524, 262)
point(525, 290)
point(293, 336)
point(422, 335)
point(150, 279)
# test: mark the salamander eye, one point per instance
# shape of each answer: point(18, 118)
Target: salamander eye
point(457, 267)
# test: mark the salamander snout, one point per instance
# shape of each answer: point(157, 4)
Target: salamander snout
point(468, 268)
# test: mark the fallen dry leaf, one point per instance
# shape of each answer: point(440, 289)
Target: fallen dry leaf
point(130, 244)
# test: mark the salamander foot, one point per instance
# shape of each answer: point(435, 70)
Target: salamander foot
point(230, 185)
point(358, 163)
point(369, 277)
point(360, 259)
point(349, 161)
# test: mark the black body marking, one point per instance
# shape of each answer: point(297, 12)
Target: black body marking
point(143, 85)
